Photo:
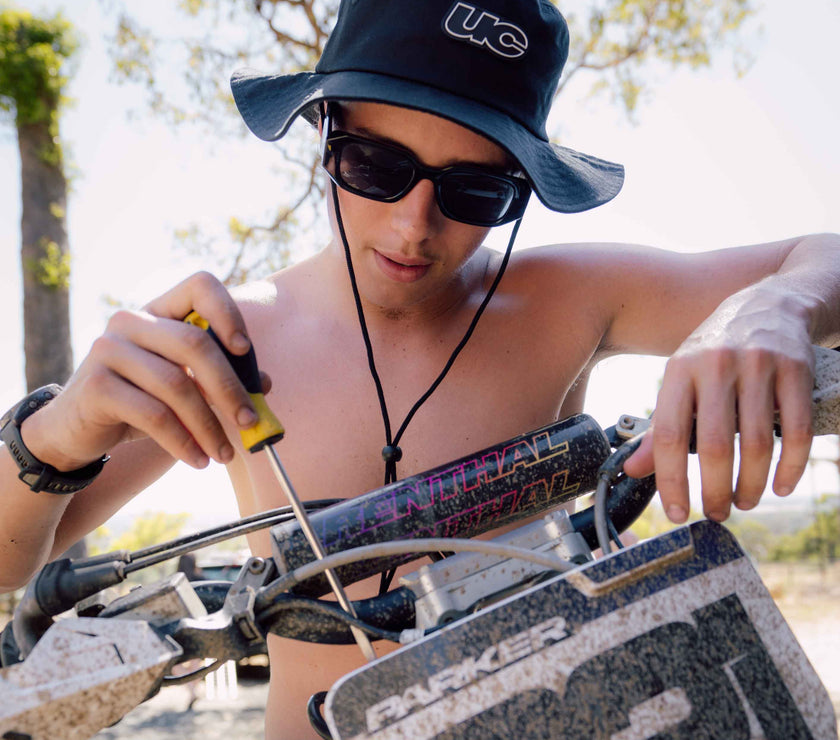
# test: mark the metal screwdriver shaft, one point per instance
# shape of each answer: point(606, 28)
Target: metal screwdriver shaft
point(317, 548)
point(265, 432)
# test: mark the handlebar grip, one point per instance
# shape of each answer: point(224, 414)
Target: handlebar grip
point(60, 585)
point(268, 428)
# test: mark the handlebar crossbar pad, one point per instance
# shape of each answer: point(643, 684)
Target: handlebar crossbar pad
point(518, 478)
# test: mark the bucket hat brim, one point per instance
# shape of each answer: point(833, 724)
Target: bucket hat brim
point(563, 179)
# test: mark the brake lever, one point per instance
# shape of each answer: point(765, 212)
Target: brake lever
point(231, 633)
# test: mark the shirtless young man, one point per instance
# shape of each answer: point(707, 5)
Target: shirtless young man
point(454, 88)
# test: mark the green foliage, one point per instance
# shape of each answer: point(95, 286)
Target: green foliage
point(151, 528)
point(653, 522)
point(819, 542)
point(212, 38)
point(53, 269)
point(33, 53)
point(191, 7)
point(134, 63)
point(769, 536)
point(757, 539)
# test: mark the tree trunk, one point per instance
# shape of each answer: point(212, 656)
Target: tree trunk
point(46, 299)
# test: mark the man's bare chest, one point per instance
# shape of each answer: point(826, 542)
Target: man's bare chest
point(324, 393)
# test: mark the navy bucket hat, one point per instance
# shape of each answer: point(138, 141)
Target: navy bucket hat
point(490, 65)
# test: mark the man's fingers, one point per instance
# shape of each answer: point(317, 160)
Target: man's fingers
point(169, 384)
point(756, 400)
point(265, 382)
point(671, 434)
point(640, 463)
point(794, 384)
point(189, 346)
point(207, 296)
point(148, 375)
point(152, 417)
point(715, 445)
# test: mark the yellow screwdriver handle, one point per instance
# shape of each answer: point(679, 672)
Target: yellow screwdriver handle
point(268, 428)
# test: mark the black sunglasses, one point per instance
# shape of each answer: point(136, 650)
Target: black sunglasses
point(387, 173)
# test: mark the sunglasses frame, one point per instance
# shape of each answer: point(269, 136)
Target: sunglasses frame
point(332, 143)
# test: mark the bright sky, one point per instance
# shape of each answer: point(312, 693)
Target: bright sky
point(714, 161)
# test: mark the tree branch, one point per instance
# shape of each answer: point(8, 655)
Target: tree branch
point(284, 38)
point(282, 217)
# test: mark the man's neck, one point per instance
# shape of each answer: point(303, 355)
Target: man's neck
point(464, 292)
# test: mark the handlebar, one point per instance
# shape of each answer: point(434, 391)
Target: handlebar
point(519, 478)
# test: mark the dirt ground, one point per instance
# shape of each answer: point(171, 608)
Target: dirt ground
point(808, 598)
point(233, 717)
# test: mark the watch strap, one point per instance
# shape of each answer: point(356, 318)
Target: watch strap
point(38, 475)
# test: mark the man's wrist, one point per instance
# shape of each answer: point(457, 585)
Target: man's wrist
point(34, 432)
point(772, 307)
point(40, 474)
point(785, 297)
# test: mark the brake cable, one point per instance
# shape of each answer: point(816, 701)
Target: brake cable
point(155, 554)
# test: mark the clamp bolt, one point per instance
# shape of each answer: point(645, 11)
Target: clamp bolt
point(256, 565)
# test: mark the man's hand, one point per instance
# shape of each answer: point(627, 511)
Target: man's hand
point(750, 361)
point(150, 374)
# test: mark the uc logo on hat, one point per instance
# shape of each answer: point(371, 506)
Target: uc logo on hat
point(482, 28)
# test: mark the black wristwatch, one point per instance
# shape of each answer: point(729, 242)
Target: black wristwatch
point(40, 476)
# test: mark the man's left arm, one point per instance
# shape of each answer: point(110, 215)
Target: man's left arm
point(748, 360)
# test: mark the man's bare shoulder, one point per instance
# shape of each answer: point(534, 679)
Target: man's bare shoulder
point(576, 266)
point(593, 286)
point(623, 260)
point(279, 293)
point(583, 257)
point(256, 295)
point(620, 272)
point(647, 299)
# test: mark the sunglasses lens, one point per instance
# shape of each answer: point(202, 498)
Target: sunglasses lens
point(374, 171)
point(476, 198)
point(382, 173)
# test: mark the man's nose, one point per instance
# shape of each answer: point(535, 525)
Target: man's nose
point(416, 216)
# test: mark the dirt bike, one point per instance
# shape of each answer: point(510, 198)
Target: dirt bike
point(526, 635)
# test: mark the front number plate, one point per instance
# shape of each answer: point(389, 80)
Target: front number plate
point(675, 638)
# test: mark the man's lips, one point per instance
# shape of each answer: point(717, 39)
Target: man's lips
point(402, 269)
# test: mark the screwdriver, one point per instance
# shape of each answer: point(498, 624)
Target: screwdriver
point(262, 436)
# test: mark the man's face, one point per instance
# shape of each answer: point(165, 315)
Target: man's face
point(408, 254)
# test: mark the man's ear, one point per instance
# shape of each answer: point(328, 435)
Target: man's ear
point(322, 112)
point(327, 109)
point(323, 128)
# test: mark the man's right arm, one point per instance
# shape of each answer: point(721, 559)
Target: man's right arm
point(38, 527)
point(148, 393)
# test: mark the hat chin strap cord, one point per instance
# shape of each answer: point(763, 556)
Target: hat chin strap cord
point(391, 452)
